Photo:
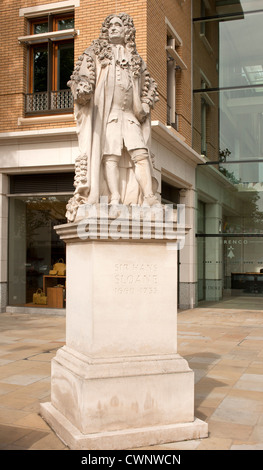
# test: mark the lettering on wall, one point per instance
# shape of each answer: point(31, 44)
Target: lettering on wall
point(235, 242)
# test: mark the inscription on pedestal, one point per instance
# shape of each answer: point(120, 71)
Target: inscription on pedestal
point(134, 278)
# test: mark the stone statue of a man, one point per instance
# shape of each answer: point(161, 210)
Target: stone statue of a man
point(113, 94)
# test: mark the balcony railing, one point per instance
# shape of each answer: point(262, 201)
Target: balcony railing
point(45, 102)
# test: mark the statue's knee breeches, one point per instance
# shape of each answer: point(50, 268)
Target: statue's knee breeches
point(138, 155)
point(111, 159)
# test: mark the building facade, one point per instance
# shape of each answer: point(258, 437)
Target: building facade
point(206, 137)
point(227, 131)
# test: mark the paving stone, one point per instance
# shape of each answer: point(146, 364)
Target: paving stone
point(10, 434)
point(250, 382)
point(236, 410)
point(246, 447)
point(21, 379)
point(215, 443)
point(228, 430)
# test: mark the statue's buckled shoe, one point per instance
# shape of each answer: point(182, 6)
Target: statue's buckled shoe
point(150, 200)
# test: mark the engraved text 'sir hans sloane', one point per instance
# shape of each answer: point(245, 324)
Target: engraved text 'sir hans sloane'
point(132, 278)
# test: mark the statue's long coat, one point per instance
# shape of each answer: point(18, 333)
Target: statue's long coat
point(92, 118)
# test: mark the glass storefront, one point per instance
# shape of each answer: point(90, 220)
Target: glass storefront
point(34, 246)
point(228, 132)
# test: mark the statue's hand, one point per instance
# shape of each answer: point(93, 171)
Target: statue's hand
point(146, 108)
point(83, 91)
point(144, 112)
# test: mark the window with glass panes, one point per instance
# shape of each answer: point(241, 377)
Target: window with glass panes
point(51, 64)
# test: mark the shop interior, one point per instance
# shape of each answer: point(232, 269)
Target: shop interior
point(37, 257)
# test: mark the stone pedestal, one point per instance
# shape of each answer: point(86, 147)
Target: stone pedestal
point(119, 383)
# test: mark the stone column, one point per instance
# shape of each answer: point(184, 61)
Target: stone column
point(3, 240)
point(119, 382)
point(214, 253)
point(187, 256)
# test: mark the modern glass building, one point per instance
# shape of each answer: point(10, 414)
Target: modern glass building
point(228, 132)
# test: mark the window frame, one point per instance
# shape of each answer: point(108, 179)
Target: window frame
point(31, 67)
point(51, 39)
point(36, 21)
point(174, 65)
point(57, 17)
point(55, 62)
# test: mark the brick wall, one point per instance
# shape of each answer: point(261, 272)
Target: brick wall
point(12, 64)
point(180, 18)
point(149, 18)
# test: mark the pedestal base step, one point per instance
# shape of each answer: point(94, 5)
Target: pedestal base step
point(121, 439)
